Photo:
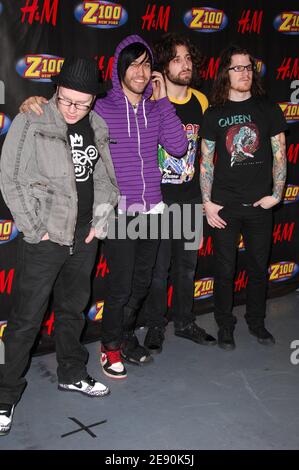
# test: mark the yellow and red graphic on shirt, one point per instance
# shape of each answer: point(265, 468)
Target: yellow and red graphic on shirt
point(180, 170)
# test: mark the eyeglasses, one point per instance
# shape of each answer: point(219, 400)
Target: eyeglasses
point(241, 68)
point(68, 103)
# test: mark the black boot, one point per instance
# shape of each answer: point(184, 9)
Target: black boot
point(226, 338)
point(196, 334)
point(154, 339)
point(132, 352)
point(262, 334)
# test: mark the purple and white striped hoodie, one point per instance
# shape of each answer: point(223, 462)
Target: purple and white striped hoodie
point(134, 138)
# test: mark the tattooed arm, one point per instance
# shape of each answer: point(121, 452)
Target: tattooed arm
point(207, 168)
point(278, 144)
point(279, 172)
point(206, 183)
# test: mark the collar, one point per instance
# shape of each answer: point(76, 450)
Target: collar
point(184, 100)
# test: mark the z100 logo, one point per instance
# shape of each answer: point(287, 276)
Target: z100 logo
point(287, 22)
point(5, 122)
point(290, 111)
point(203, 288)
point(241, 245)
point(205, 19)
point(96, 311)
point(101, 14)
point(260, 67)
point(283, 271)
point(291, 194)
point(3, 325)
point(39, 67)
point(8, 231)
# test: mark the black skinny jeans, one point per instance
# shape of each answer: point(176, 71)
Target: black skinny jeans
point(255, 224)
point(130, 263)
point(174, 257)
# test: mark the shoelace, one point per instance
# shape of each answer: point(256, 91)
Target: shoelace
point(196, 329)
point(89, 380)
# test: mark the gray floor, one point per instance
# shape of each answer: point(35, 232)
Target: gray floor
point(191, 397)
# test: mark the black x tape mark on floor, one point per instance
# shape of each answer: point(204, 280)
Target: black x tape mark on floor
point(83, 427)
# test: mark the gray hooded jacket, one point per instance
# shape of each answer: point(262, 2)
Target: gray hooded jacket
point(38, 181)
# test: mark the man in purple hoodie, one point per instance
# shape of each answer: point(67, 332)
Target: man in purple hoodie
point(137, 124)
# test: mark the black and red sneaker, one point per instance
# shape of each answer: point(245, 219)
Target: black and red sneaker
point(112, 364)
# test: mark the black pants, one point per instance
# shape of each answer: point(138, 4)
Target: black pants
point(40, 268)
point(130, 263)
point(255, 224)
point(174, 257)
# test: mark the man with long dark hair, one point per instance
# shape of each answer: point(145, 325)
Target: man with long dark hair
point(179, 60)
point(240, 189)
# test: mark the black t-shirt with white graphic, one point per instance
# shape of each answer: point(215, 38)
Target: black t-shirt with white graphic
point(180, 176)
point(242, 132)
point(85, 155)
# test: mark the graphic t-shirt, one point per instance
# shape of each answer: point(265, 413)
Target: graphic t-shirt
point(180, 176)
point(85, 155)
point(242, 132)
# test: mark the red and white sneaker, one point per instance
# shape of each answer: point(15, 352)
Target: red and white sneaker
point(112, 364)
